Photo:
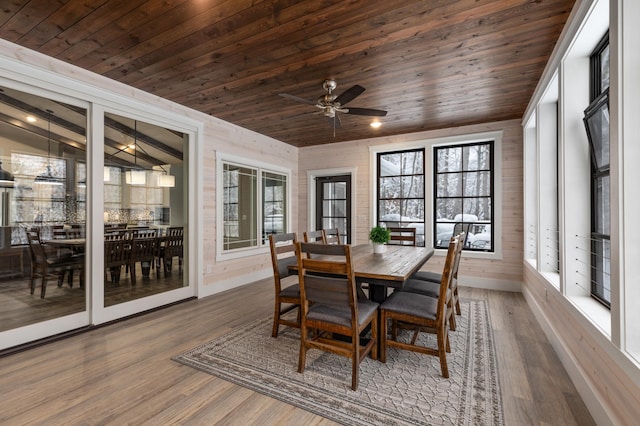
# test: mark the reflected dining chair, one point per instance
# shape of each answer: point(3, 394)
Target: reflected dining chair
point(402, 236)
point(330, 307)
point(172, 246)
point(423, 314)
point(45, 265)
point(287, 297)
point(116, 250)
point(144, 249)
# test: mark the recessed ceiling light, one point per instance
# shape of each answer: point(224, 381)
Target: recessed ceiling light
point(375, 124)
point(31, 119)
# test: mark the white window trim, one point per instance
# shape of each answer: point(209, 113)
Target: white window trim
point(428, 145)
point(221, 159)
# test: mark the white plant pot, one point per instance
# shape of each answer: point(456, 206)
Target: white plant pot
point(379, 248)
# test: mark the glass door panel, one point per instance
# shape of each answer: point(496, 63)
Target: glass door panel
point(42, 216)
point(333, 204)
point(145, 210)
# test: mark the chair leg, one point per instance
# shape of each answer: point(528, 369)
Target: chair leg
point(374, 336)
point(302, 359)
point(355, 367)
point(457, 298)
point(33, 282)
point(276, 320)
point(132, 273)
point(442, 354)
point(43, 286)
point(383, 337)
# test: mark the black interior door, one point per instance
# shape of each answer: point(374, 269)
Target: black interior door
point(333, 204)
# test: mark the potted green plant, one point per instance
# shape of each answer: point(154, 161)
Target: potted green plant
point(379, 236)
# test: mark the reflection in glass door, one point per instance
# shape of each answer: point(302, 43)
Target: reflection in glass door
point(43, 219)
point(145, 210)
point(333, 204)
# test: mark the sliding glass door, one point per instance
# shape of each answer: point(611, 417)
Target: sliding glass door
point(145, 209)
point(94, 217)
point(43, 215)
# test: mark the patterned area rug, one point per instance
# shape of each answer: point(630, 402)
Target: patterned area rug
point(408, 389)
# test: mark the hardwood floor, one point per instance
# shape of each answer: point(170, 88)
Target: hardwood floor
point(123, 373)
point(19, 308)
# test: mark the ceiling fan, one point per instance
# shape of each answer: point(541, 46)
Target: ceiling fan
point(331, 104)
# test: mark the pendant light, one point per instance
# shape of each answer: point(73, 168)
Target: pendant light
point(165, 180)
point(135, 176)
point(47, 178)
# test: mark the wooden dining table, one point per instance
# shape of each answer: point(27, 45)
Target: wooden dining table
point(389, 269)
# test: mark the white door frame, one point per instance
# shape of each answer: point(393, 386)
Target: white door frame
point(311, 190)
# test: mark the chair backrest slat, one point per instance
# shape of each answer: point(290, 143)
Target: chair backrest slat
point(282, 244)
point(331, 236)
point(314, 237)
point(402, 236)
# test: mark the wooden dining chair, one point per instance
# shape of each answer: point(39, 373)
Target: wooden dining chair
point(44, 265)
point(283, 255)
point(436, 277)
point(314, 237)
point(330, 307)
point(402, 236)
point(423, 313)
point(331, 236)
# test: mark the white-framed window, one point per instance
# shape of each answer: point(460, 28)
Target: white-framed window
point(254, 202)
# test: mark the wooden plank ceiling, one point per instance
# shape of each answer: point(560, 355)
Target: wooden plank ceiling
point(429, 63)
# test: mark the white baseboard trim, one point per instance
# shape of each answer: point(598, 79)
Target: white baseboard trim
point(220, 286)
point(490, 284)
point(592, 402)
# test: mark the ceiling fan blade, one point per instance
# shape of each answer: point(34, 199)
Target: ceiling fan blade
point(366, 111)
point(349, 94)
point(297, 99)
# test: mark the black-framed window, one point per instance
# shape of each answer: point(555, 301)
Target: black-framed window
point(463, 194)
point(596, 119)
point(401, 190)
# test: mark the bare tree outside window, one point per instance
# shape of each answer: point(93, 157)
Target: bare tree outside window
point(401, 191)
point(464, 194)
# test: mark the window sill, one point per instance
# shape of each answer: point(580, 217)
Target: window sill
point(240, 253)
point(593, 311)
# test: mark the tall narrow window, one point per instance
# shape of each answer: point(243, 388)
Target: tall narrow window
point(274, 205)
point(401, 190)
point(240, 206)
point(596, 118)
point(464, 194)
